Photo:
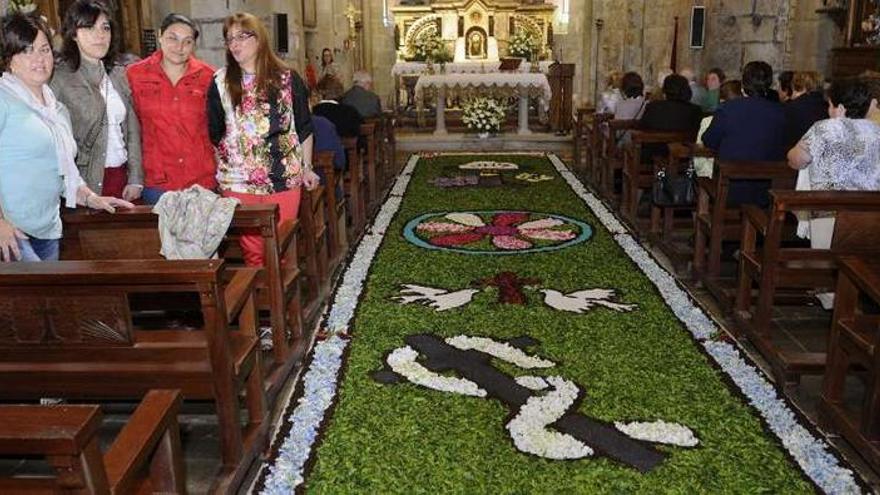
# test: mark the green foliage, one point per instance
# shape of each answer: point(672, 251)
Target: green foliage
point(641, 365)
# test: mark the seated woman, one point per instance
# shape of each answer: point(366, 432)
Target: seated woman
point(840, 153)
point(806, 106)
point(751, 128)
point(674, 113)
point(633, 103)
point(611, 95)
point(37, 165)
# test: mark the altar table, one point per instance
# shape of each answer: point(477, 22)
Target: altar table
point(501, 84)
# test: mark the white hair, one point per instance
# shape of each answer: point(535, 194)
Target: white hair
point(362, 78)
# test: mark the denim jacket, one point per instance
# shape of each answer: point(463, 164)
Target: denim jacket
point(79, 91)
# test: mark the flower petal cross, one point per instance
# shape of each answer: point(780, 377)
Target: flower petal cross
point(496, 232)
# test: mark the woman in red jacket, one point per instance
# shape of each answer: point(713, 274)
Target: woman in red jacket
point(169, 90)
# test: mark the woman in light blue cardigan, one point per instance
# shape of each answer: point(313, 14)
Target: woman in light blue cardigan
point(37, 164)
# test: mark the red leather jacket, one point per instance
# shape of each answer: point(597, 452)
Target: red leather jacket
point(177, 151)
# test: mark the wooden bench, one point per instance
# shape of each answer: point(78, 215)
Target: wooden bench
point(337, 237)
point(582, 137)
point(672, 226)
point(853, 349)
point(774, 269)
point(639, 176)
point(313, 252)
point(354, 188)
point(370, 139)
point(609, 158)
point(68, 332)
point(133, 234)
point(145, 456)
point(715, 222)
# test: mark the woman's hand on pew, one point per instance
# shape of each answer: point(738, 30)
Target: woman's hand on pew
point(9, 236)
point(310, 180)
point(107, 203)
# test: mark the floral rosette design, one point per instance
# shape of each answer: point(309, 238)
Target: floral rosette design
point(496, 232)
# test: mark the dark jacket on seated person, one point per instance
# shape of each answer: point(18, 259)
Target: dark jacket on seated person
point(668, 115)
point(345, 117)
point(748, 129)
point(364, 101)
point(801, 113)
point(326, 139)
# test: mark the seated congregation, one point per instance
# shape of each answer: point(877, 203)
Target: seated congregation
point(205, 215)
point(765, 200)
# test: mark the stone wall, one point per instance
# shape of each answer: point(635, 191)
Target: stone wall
point(638, 34)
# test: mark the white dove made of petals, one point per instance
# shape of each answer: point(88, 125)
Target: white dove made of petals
point(439, 299)
point(583, 300)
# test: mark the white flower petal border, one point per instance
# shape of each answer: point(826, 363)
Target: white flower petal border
point(320, 381)
point(811, 453)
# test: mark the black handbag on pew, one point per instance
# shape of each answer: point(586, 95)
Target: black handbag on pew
point(674, 190)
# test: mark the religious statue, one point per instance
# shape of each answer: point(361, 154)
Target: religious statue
point(476, 45)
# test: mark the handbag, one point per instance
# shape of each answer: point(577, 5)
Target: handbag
point(674, 190)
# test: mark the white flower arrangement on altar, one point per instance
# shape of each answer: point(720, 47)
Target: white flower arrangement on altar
point(483, 114)
point(431, 49)
point(523, 44)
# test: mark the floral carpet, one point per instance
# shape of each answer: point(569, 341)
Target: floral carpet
point(499, 331)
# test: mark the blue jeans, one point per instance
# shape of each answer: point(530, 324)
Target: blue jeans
point(33, 249)
point(151, 195)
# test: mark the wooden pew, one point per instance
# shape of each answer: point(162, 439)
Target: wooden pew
point(369, 191)
point(852, 349)
point(313, 252)
point(133, 234)
point(353, 189)
point(609, 156)
point(389, 123)
point(773, 268)
point(145, 457)
point(672, 227)
point(715, 222)
point(582, 137)
point(337, 237)
point(69, 333)
point(638, 176)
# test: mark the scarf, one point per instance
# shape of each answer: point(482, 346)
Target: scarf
point(55, 116)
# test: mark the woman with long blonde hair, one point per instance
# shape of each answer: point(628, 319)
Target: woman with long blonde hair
point(259, 122)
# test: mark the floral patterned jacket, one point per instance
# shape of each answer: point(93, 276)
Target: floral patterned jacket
point(258, 143)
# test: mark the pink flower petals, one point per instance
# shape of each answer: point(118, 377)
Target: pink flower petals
point(510, 243)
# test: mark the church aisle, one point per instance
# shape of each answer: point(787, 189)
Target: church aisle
point(498, 331)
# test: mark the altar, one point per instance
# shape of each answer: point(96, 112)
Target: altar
point(499, 84)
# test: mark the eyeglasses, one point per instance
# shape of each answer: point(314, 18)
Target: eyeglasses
point(240, 37)
point(185, 42)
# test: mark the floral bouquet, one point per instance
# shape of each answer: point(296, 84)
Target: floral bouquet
point(523, 44)
point(432, 49)
point(483, 114)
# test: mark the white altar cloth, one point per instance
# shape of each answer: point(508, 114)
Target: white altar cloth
point(502, 83)
point(410, 68)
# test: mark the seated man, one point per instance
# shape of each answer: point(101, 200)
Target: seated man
point(345, 117)
point(361, 95)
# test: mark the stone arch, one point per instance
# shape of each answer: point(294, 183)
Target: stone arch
point(428, 25)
